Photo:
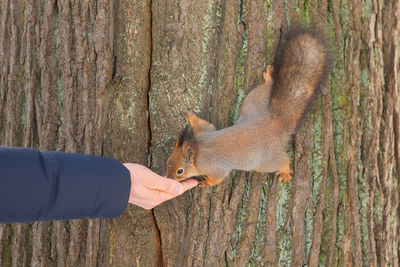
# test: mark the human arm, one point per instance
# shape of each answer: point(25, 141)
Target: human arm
point(38, 186)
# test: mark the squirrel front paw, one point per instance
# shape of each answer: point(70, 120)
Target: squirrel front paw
point(200, 178)
point(211, 181)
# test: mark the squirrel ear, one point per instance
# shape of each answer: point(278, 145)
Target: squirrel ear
point(189, 152)
point(198, 124)
point(177, 144)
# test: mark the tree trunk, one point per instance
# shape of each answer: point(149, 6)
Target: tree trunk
point(113, 78)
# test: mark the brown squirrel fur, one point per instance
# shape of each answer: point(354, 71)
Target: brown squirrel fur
point(270, 114)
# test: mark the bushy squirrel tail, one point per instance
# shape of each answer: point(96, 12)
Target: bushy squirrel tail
point(301, 66)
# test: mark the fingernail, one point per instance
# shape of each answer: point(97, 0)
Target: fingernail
point(178, 189)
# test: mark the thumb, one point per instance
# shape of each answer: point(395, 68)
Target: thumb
point(169, 186)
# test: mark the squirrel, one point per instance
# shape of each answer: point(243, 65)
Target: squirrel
point(270, 114)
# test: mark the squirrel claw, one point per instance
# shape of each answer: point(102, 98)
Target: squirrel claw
point(284, 173)
point(285, 177)
point(200, 178)
point(211, 181)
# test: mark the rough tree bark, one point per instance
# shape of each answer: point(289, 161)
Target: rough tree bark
point(112, 78)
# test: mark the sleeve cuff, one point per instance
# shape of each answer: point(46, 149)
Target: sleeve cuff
point(87, 186)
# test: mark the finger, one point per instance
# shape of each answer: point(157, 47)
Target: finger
point(164, 196)
point(169, 186)
point(189, 184)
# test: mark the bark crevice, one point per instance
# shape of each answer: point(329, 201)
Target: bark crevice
point(148, 114)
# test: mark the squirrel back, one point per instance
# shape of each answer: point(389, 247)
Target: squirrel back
point(269, 114)
point(301, 66)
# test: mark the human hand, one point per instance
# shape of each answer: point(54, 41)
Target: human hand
point(149, 189)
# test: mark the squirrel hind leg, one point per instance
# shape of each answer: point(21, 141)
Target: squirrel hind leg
point(284, 174)
point(267, 74)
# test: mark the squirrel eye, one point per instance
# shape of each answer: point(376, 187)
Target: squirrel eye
point(180, 171)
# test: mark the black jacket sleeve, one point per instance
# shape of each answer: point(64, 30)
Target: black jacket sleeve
point(38, 186)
